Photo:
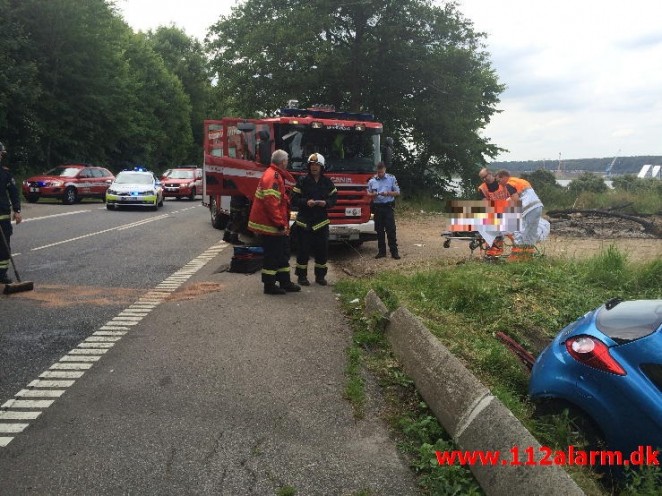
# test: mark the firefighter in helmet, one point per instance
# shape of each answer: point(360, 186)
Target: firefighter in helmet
point(313, 195)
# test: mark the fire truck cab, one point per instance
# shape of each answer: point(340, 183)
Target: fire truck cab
point(237, 151)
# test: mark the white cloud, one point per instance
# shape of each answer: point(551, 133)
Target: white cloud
point(583, 76)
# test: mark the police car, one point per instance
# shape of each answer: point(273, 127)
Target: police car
point(138, 187)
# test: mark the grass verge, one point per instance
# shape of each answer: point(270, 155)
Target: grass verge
point(464, 305)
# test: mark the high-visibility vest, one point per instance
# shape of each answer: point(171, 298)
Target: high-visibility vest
point(499, 194)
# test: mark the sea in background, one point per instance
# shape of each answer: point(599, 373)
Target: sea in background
point(566, 182)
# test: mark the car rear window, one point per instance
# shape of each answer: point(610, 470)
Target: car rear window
point(64, 171)
point(181, 174)
point(630, 320)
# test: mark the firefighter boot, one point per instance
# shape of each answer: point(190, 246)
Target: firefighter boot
point(272, 289)
point(290, 287)
point(227, 236)
point(303, 281)
point(234, 239)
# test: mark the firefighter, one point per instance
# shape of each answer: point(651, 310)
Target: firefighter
point(313, 195)
point(490, 189)
point(269, 217)
point(238, 216)
point(9, 200)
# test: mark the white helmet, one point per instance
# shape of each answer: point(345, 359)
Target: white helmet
point(316, 158)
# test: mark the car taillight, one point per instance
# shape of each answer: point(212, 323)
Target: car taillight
point(594, 353)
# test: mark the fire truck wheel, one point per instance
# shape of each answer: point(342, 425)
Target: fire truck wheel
point(218, 220)
point(192, 195)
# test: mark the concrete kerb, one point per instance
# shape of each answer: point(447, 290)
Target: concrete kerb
point(475, 419)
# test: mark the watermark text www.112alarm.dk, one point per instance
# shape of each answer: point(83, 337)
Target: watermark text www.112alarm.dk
point(546, 456)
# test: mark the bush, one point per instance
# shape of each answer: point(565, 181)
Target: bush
point(588, 182)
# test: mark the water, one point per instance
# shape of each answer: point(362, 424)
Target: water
point(566, 182)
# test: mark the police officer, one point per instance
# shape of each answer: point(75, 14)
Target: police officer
point(383, 188)
point(9, 200)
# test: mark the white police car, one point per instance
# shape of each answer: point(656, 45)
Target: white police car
point(138, 188)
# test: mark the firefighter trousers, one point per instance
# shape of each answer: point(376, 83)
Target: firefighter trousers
point(7, 230)
point(276, 262)
point(317, 243)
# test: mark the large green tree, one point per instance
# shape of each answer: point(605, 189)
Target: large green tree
point(76, 84)
point(160, 133)
point(75, 48)
point(420, 68)
point(185, 58)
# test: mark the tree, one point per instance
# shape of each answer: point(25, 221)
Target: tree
point(588, 182)
point(421, 68)
point(74, 47)
point(160, 127)
point(185, 58)
point(19, 87)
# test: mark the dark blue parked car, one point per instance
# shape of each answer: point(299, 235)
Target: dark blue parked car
point(608, 364)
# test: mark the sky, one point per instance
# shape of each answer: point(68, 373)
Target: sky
point(583, 77)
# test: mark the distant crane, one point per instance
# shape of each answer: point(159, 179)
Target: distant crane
point(560, 167)
point(611, 166)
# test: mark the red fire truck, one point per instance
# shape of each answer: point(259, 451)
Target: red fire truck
point(237, 151)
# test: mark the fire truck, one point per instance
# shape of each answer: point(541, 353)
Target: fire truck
point(237, 151)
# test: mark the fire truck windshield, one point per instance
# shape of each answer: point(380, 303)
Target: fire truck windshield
point(344, 150)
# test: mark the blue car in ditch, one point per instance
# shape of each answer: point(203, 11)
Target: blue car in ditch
point(608, 364)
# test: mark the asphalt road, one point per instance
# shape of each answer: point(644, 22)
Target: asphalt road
point(137, 367)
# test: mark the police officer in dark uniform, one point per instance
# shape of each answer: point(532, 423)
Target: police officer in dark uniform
point(9, 200)
point(313, 195)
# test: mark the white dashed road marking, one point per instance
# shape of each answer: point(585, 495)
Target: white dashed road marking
point(41, 393)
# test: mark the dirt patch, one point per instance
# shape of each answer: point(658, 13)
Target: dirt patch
point(195, 290)
point(58, 296)
point(421, 244)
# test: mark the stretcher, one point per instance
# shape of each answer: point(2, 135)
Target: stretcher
point(477, 242)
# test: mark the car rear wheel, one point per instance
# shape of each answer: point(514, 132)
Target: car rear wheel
point(70, 196)
point(578, 425)
point(192, 195)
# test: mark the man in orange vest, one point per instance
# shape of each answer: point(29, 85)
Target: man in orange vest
point(490, 189)
point(528, 235)
point(270, 217)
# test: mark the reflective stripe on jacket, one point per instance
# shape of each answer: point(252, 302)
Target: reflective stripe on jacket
point(308, 189)
point(270, 212)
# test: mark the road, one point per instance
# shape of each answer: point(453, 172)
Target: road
point(138, 367)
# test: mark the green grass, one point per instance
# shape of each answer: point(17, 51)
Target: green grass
point(465, 305)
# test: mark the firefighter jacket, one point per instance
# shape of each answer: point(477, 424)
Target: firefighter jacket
point(306, 188)
point(270, 212)
point(9, 197)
